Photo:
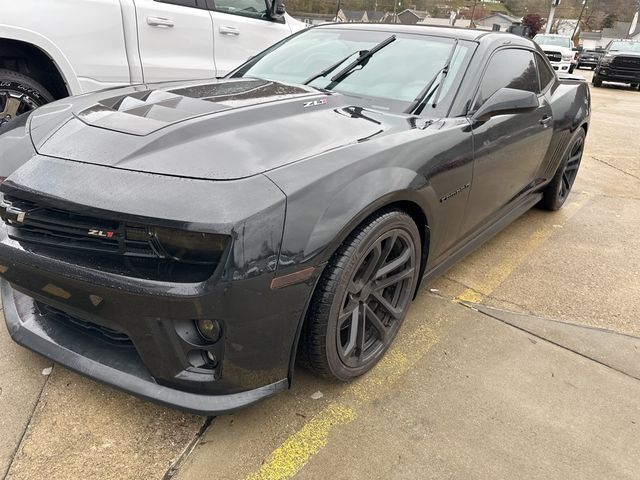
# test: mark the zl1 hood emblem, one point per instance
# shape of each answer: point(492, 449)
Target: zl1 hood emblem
point(315, 103)
point(94, 232)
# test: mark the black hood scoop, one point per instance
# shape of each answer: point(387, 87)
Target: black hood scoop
point(144, 112)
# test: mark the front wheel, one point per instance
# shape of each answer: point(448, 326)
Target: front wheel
point(556, 193)
point(19, 94)
point(597, 81)
point(362, 298)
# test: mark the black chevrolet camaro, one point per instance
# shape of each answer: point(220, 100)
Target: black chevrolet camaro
point(188, 242)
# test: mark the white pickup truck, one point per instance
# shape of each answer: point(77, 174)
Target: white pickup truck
point(50, 49)
point(559, 50)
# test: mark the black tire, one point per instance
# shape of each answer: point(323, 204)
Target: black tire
point(348, 329)
point(593, 68)
point(572, 68)
point(19, 94)
point(596, 81)
point(557, 191)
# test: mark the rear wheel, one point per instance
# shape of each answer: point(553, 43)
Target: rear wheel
point(363, 297)
point(556, 193)
point(19, 94)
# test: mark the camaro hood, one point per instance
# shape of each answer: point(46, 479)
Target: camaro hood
point(223, 130)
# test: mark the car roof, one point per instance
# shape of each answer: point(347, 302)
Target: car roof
point(441, 31)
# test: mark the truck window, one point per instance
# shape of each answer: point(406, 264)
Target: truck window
point(247, 8)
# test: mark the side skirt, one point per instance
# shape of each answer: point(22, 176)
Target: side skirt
point(481, 237)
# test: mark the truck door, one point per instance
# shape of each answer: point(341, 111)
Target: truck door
point(241, 29)
point(175, 38)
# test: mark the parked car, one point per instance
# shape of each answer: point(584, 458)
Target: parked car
point(52, 49)
point(589, 58)
point(620, 63)
point(186, 242)
point(559, 50)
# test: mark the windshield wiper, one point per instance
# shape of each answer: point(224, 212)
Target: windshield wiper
point(331, 68)
point(421, 99)
point(364, 57)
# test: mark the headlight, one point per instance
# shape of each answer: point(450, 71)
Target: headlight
point(606, 60)
point(567, 57)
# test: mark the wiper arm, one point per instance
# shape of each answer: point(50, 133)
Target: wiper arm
point(331, 68)
point(364, 57)
point(423, 96)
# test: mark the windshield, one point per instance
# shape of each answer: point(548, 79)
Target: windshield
point(395, 74)
point(554, 41)
point(625, 47)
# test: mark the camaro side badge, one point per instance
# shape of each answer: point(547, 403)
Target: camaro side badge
point(100, 233)
point(315, 103)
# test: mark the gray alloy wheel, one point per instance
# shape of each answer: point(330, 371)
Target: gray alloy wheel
point(19, 94)
point(363, 297)
point(557, 191)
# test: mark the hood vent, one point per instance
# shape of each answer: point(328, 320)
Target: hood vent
point(144, 112)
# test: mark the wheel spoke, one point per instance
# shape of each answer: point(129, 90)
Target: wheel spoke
point(354, 326)
point(11, 107)
point(393, 311)
point(572, 166)
point(375, 322)
point(398, 277)
point(394, 264)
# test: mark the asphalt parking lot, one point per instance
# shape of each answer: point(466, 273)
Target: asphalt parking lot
point(522, 360)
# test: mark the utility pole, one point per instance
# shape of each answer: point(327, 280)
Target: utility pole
point(552, 12)
point(338, 11)
point(584, 5)
point(472, 24)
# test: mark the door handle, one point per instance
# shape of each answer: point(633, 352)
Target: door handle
point(545, 120)
point(228, 30)
point(160, 22)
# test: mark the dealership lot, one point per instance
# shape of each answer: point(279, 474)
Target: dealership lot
point(463, 394)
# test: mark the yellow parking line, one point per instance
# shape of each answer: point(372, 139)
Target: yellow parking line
point(495, 276)
point(287, 460)
point(295, 452)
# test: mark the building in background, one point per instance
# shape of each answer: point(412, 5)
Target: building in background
point(504, 21)
point(411, 16)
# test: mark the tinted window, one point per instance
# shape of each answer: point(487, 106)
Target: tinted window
point(248, 8)
point(508, 68)
point(547, 75)
point(185, 3)
point(394, 76)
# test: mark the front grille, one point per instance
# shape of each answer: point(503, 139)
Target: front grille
point(626, 63)
point(553, 56)
point(108, 335)
point(58, 228)
point(104, 244)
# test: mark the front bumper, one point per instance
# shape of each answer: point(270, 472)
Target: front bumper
point(561, 66)
point(118, 367)
point(612, 74)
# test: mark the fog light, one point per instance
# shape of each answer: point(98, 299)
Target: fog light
point(209, 329)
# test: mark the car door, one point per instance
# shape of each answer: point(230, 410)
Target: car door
point(508, 149)
point(242, 28)
point(175, 38)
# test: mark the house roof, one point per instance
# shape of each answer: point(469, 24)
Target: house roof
point(418, 13)
point(355, 15)
point(501, 15)
point(374, 16)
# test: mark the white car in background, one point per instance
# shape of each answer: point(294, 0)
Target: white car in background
point(50, 49)
point(559, 50)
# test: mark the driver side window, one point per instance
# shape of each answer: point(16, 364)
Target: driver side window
point(510, 68)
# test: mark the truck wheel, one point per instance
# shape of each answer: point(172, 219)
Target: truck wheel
point(557, 191)
point(597, 81)
point(19, 94)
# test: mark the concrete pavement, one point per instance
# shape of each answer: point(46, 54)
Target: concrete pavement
point(462, 394)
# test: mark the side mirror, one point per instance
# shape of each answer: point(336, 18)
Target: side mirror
point(275, 9)
point(506, 101)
